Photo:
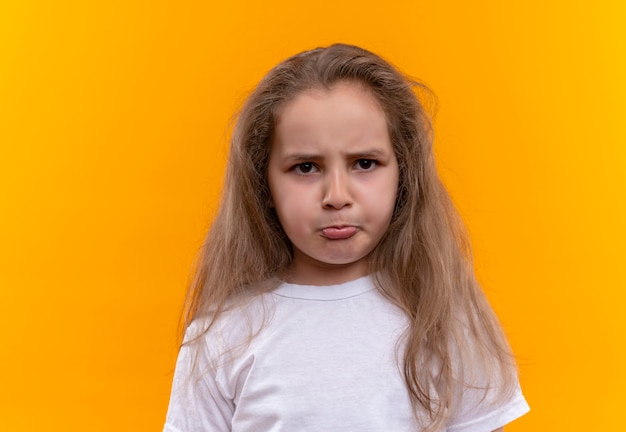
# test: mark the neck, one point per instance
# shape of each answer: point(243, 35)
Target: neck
point(325, 274)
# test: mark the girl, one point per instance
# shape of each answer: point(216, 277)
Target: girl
point(335, 290)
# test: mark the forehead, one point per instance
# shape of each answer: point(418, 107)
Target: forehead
point(344, 89)
point(344, 115)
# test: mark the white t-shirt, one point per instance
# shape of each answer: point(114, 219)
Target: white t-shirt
point(325, 360)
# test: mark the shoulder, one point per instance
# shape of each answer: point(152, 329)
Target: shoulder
point(240, 319)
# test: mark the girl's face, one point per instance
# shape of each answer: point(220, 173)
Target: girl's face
point(333, 176)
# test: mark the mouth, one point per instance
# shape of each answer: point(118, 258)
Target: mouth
point(339, 232)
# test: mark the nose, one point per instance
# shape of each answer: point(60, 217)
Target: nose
point(337, 190)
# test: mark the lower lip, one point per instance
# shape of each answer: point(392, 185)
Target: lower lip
point(336, 233)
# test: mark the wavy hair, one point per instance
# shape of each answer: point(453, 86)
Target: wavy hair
point(423, 263)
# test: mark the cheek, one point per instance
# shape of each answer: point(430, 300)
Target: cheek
point(381, 197)
point(287, 200)
point(293, 224)
point(292, 210)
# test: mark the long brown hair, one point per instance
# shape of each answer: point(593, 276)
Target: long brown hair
point(423, 263)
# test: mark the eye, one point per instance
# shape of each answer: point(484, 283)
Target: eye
point(365, 164)
point(304, 168)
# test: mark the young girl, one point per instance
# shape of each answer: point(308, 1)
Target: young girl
point(335, 290)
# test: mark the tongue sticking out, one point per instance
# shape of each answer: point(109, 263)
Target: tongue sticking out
point(338, 233)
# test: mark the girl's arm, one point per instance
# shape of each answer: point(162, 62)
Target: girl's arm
point(196, 401)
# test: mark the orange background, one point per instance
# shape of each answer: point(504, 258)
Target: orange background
point(113, 117)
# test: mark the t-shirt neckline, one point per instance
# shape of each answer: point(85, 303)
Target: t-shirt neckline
point(326, 292)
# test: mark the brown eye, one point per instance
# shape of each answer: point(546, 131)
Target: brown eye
point(365, 164)
point(304, 168)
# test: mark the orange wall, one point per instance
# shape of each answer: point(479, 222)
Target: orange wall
point(112, 123)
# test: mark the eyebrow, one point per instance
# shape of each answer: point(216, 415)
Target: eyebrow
point(298, 157)
point(364, 154)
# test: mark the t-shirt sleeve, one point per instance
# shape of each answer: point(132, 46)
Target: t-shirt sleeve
point(480, 413)
point(196, 402)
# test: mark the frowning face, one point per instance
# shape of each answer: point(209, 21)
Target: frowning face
point(333, 176)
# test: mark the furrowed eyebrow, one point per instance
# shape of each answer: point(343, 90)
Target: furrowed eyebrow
point(367, 154)
point(363, 154)
point(300, 157)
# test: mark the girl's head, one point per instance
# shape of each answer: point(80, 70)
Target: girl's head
point(324, 70)
point(333, 178)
